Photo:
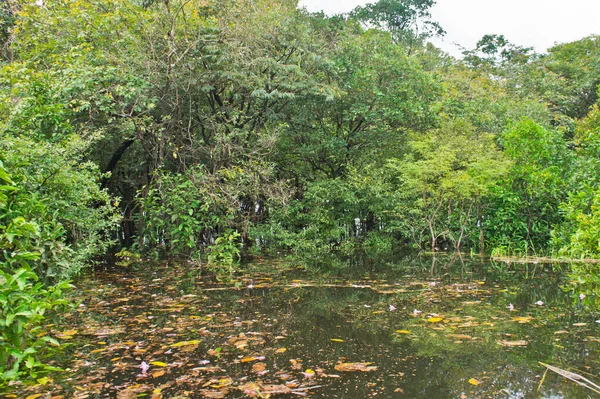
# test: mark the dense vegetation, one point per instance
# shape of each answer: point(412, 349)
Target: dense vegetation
point(208, 129)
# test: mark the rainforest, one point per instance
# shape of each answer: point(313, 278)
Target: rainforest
point(225, 144)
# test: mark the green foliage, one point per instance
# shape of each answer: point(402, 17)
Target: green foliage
point(578, 235)
point(127, 258)
point(320, 221)
point(224, 255)
point(60, 191)
point(24, 300)
point(406, 20)
point(576, 67)
point(526, 206)
point(300, 132)
point(183, 211)
point(443, 180)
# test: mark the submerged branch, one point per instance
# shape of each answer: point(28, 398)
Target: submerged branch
point(576, 378)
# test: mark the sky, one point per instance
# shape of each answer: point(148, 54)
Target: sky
point(529, 23)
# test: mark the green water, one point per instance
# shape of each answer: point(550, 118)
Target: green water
point(462, 333)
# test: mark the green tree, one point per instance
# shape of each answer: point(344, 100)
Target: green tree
point(408, 21)
point(443, 181)
point(526, 206)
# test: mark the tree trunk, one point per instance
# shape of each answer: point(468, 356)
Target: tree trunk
point(114, 160)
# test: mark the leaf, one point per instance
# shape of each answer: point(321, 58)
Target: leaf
point(68, 334)
point(336, 340)
point(159, 364)
point(34, 396)
point(158, 373)
point(185, 343)
point(523, 320)
point(473, 381)
point(43, 380)
point(407, 332)
point(512, 343)
point(259, 367)
point(434, 320)
point(281, 350)
point(460, 336)
point(352, 367)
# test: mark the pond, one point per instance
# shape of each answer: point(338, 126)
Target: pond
point(408, 326)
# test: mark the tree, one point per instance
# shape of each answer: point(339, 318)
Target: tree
point(444, 179)
point(408, 21)
point(525, 207)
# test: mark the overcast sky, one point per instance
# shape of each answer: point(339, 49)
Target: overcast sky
point(530, 23)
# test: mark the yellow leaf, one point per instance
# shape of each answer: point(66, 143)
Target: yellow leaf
point(43, 380)
point(281, 350)
point(407, 332)
point(159, 364)
point(184, 343)
point(337, 340)
point(523, 320)
point(473, 381)
point(434, 320)
point(248, 359)
point(35, 396)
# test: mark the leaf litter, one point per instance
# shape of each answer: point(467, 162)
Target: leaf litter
point(197, 343)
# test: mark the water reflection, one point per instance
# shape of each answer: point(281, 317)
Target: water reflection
point(450, 334)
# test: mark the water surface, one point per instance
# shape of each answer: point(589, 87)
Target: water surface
point(423, 327)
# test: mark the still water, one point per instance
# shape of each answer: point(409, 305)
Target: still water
point(403, 327)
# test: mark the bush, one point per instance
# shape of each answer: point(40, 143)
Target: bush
point(23, 299)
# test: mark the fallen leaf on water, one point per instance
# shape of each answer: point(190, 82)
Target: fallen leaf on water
point(309, 373)
point(251, 389)
point(460, 336)
point(184, 343)
point(209, 393)
point(512, 343)
point(351, 367)
point(523, 320)
point(249, 359)
point(473, 381)
point(158, 373)
point(276, 389)
point(259, 367)
point(68, 334)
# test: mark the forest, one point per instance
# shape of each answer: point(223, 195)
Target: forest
point(214, 131)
